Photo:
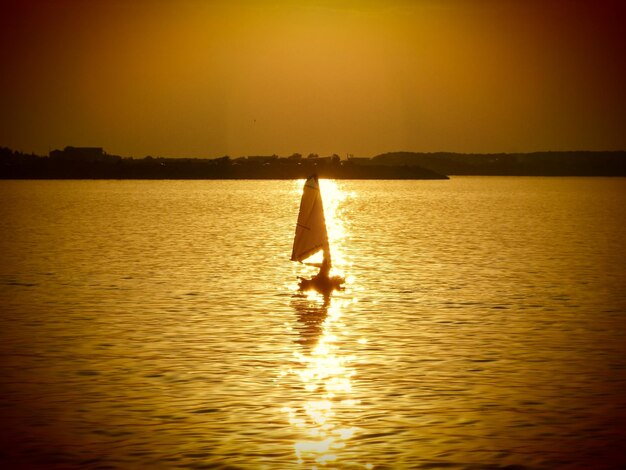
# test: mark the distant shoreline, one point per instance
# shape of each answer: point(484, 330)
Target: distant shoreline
point(94, 163)
point(208, 171)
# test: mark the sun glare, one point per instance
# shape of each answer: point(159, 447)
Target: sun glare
point(325, 374)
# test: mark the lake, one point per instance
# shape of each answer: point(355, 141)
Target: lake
point(157, 324)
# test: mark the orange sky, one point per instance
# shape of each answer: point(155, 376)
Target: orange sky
point(212, 78)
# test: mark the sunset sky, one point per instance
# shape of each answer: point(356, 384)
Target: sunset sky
point(212, 78)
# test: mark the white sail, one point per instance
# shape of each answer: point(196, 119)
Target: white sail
point(311, 235)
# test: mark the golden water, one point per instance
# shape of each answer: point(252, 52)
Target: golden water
point(155, 324)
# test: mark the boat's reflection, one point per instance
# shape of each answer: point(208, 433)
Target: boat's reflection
point(311, 314)
point(324, 371)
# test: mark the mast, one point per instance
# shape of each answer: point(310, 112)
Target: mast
point(326, 249)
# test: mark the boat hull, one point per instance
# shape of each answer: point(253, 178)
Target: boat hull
point(323, 285)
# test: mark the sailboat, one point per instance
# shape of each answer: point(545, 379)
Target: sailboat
point(312, 237)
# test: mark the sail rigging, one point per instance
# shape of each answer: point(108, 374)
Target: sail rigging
point(311, 234)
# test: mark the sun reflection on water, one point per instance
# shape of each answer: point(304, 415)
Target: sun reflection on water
point(325, 373)
point(333, 197)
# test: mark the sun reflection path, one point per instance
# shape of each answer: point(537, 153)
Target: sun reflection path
point(333, 198)
point(325, 373)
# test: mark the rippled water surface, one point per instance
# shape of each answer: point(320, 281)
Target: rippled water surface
point(155, 324)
